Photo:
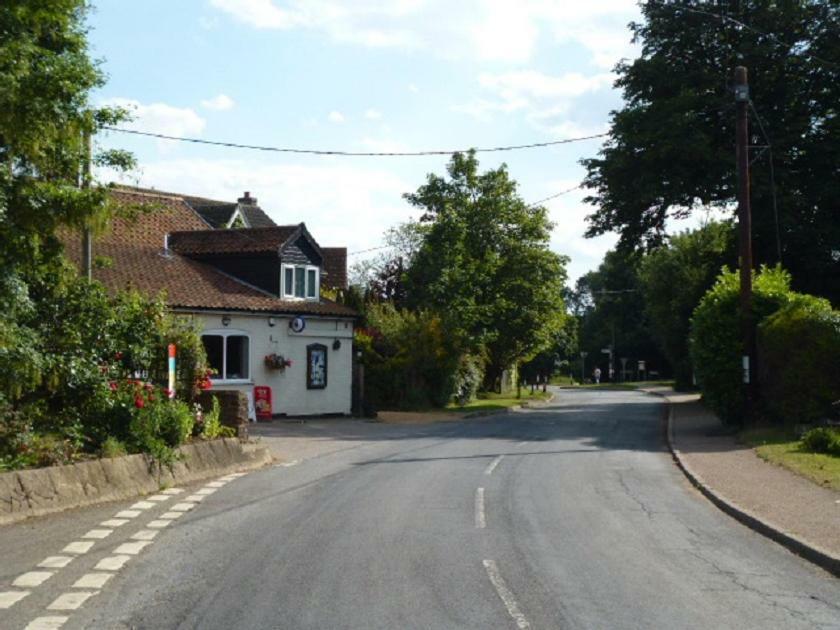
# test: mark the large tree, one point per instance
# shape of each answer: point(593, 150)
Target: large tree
point(46, 76)
point(673, 280)
point(485, 264)
point(671, 146)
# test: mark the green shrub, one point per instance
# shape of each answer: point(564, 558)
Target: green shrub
point(715, 341)
point(112, 447)
point(410, 359)
point(208, 424)
point(822, 440)
point(798, 351)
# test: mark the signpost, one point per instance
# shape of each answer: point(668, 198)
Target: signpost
point(172, 370)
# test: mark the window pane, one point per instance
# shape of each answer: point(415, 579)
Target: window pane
point(289, 284)
point(213, 348)
point(237, 357)
point(300, 281)
point(311, 283)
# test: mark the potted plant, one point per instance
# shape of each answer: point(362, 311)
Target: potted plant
point(276, 361)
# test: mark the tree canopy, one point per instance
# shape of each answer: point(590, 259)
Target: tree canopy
point(671, 146)
point(485, 265)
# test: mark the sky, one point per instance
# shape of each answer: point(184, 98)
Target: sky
point(363, 75)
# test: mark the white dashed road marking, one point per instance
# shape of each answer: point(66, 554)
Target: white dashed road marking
point(144, 534)
point(55, 562)
point(71, 600)
point(480, 519)
point(158, 524)
point(157, 498)
point(33, 578)
point(182, 507)
point(132, 548)
point(47, 623)
point(489, 470)
point(127, 514)
point(10, 598)
point(216, 484)
point(505, 595)
point(114, 522)
point(142, 505)
point(78, 547)
point(171, 491)
point(171, 515)
point(206, 491)
point(196, 498)
point(93, 580)
point(112, 563)
point(98, 533)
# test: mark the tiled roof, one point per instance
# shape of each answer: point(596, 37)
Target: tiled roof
point(235, 241)
point(335, 264)
point(138, 261)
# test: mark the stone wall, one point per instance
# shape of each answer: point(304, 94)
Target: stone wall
point(233, 406)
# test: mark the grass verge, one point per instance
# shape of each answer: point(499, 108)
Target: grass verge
point(781, 447)
point(497, 402)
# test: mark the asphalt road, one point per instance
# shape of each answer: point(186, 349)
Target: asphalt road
point(571, 516)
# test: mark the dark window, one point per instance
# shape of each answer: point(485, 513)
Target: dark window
point(237, 357)
point(316, 366)
point(311, 283)
point(214, 347)
point(300, 282)
point(289, 287)
point(227, 355)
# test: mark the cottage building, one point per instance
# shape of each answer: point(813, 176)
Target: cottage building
point(255, 288)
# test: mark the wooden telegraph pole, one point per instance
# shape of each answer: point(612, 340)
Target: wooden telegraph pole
point(742, 99)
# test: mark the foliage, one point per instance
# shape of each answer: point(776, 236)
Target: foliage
point(468, 378)
point(715, 342)
point(112, 447)
point(484, 265)
point(208, 424)
point(673, 279)
point(822, 440)
point(610, 306)
point(670, 150)
point(798, 350)
point(409, 358)
point(159, 425)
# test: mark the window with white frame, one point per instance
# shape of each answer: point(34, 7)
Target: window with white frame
point(228, 354)
point(300, 282)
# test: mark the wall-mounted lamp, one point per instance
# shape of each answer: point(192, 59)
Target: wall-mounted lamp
point(336, 344)
point(225, 320)
point(271, 321)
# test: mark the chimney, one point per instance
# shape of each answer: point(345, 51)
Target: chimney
point(247, 199)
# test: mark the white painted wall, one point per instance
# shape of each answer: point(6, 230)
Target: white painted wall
point(289, 393)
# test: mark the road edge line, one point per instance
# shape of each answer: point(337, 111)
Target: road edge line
point(803, 549)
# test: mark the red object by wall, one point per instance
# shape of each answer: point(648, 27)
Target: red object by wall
point(262, 402)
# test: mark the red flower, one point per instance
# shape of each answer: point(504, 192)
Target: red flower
point(139, 402)
point(118, 355)
point(205, 384)
point(167, 392)
point(113, 386)
point(149, 387)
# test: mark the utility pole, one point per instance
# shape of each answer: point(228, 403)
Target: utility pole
point(84, 184)
point(742, 100)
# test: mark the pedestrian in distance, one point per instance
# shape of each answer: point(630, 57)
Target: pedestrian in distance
point(597, 375)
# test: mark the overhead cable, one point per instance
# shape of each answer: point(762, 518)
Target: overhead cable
point(254, 147)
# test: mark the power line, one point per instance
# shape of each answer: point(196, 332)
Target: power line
point(531, 205)
point(554, 196)
point(254, 147)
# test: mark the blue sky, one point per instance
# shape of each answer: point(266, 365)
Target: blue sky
point(363, 75)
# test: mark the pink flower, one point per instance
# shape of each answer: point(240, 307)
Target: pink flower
point(113, 386)
point(139, 402)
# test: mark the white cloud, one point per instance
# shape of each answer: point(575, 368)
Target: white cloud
point(220, 102)
point(543, 99)
point(342, 205)
point(160, 117)
point(504, 30)
point(373, 114)
point(412, 87)
point(336, 117)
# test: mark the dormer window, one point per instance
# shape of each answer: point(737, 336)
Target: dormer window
point(300, 282)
